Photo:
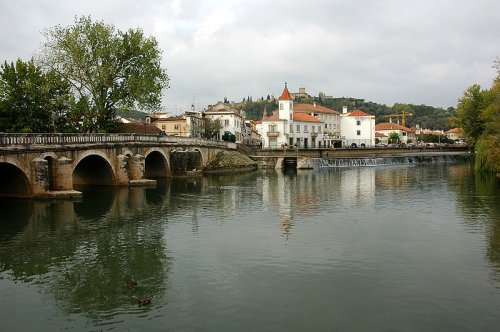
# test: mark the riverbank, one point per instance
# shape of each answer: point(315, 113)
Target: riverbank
point(230, 162)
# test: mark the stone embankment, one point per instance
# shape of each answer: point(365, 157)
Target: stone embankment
point(230, 161)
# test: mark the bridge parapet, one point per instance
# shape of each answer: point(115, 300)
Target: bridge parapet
point(29, 140)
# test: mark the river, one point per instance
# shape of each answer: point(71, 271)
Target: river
point(386, 248)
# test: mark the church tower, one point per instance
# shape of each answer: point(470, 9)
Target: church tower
point(285, 102)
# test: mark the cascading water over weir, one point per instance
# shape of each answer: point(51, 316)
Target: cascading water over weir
point(382, 161)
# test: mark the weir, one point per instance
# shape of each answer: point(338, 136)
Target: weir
point(381, 161)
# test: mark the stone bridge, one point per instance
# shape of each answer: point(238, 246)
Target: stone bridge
point(52, 165)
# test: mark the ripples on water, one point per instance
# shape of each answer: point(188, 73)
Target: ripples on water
point(379, 248)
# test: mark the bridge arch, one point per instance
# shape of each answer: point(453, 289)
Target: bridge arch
point(93, 168)
point(184, 161)
point(156, 164)
point(13, 180)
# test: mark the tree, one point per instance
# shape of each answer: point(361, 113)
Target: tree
point(229, 137)
point(393, 137)
point(488, 144)
point(108, 70)
point(31, 100)
point(468, 114)
point(212, 128)
point(478, 114)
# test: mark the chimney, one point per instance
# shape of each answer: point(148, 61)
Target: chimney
point(344, 109)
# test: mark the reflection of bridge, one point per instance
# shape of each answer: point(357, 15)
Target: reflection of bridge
point(48, 165)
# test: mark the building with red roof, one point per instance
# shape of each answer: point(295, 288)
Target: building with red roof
point(289, 127)
point(357, 128)
point(331, 118)
point(456, 134)
point(406, 135)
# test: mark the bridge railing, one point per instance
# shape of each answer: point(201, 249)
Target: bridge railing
point(25, 140)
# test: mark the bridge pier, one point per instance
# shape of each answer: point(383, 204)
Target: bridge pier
point(40, 177)
point(63, 175)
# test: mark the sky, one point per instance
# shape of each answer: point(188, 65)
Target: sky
point(386, 51)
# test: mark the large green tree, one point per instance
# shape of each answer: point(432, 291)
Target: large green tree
point(108, 69)
point(468, 114)
point(31, 100)
point(478, 114)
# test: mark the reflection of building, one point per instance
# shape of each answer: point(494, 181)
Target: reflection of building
point(357, 186)
point(357, 128)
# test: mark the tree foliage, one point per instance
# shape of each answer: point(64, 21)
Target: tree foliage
point(108, 70)
point(468, 114)
point(478, 114)
point(32, 100)
point(211, 128)
point(393, 137)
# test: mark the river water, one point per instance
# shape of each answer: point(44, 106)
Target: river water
point(386, 248)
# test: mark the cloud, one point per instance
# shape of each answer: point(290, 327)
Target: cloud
point(388, 51)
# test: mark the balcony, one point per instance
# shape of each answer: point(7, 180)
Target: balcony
point(314, 134)
point(273, 133)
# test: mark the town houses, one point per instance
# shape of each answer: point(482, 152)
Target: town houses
point(293, 125)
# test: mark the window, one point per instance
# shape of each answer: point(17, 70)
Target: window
point(313, 129)
point(298, 128)
point(281, 106)
point(291, 128)
point(162, 127)
point(358, 122)
point(272, 128)
point(291, 116)
point(319, 129)
point(291, 106)
point(226, 122)
point(326, 125)
point(359, 132)
point(305, 128)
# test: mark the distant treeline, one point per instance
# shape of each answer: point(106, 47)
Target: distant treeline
point(428, 117)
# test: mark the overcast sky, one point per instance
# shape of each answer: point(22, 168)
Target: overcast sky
point(385, 51)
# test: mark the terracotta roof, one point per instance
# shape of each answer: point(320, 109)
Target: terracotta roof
point(312, 108)
point(285, 95)
point(391, 126)
point(455, 130)
point(274, 117)
point(173, 118)
point(139, 128)
point(358, 113)
point(303, 117)
point(377, 134)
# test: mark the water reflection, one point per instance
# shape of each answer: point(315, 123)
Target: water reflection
point(479, 202)
point(80, 255)
point(83, 253)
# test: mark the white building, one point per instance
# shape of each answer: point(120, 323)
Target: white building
point(456, 134)
point(232, 120)
point(289, 128)
point(357, 128)
point(330, 118)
